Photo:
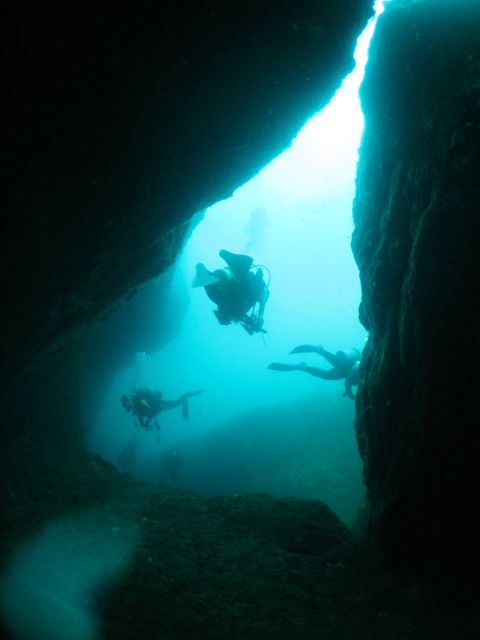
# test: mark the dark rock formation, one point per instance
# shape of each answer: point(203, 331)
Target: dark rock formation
point(120, 124)
point(417, 242)
point(246, 567)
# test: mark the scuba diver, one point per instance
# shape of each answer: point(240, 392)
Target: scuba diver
point(345, 366)
point(146, 405)
point(171, 463)
point(238, 290)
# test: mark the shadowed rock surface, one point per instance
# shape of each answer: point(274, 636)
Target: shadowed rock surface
point(120, 125)
point(417, 245)
point(251, 566)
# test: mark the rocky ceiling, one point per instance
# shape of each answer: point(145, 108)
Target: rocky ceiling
point(121, 123)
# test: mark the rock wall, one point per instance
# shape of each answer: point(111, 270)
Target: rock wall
point(417, 241)
point(122, 122)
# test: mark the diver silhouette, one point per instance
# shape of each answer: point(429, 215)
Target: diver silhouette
point(345, 366)
point(239, 291)
point(171, 463)
point(146, 405)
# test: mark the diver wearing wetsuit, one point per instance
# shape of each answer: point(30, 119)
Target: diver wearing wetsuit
point(345, 365)
point(146, 405)
point(236, 290)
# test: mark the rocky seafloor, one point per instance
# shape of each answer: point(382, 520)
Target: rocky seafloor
point(246, 566)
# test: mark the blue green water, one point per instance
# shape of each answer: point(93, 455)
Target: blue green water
point(253, 429)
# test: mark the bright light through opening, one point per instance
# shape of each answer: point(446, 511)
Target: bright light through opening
point(294, 217)
point(323, 156)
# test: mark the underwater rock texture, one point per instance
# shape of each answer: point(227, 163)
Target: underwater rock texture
point(244, 567)
point(417, 242)
point(120, 124)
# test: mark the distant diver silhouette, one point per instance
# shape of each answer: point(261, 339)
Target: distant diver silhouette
point(171, 463)
point(345, 366)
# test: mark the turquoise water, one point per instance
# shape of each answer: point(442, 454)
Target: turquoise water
point(253, 429)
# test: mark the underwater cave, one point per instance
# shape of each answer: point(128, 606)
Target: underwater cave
point(137, 144)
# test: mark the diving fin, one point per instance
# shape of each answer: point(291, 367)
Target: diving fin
point(279, 366)
point(239, 263)
point(308, 348)
point(203, 277)
point(190, 394)
point(185, 407)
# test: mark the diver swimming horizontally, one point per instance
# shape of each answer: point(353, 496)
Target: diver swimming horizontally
point(146, 405)
point(345, 366)
point(239, 291)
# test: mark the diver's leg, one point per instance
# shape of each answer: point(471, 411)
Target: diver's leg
point(171, 404)
point(348, 393)
point(203, 277)
point(180, 401)
point(239, 263)
point(280, 366)
point(334, 359)
point(331, 358)
point(352, 380)
point(190, 394)
point(326, 374)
